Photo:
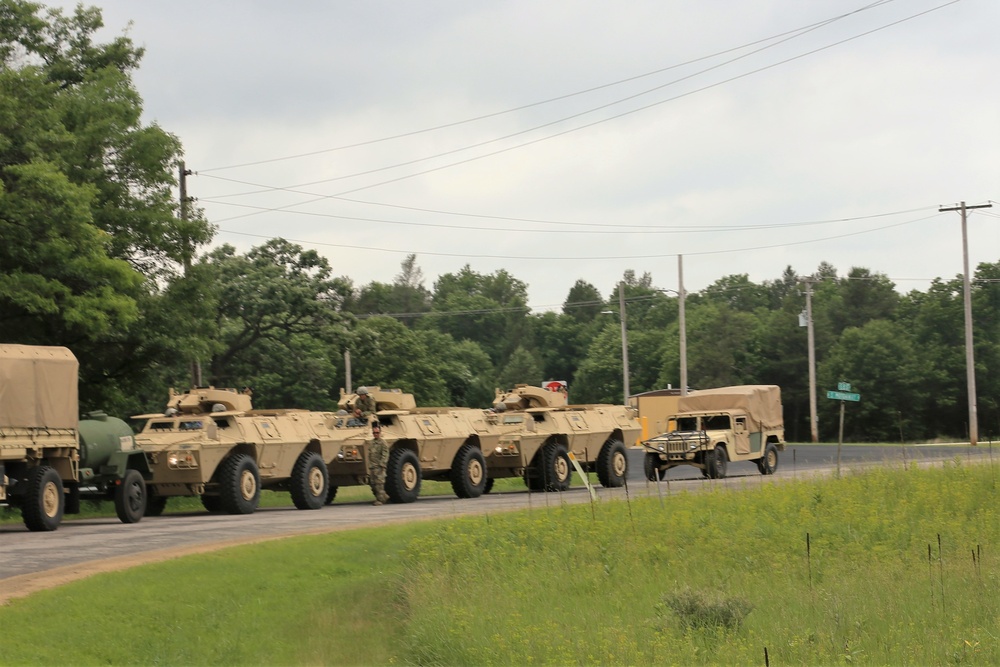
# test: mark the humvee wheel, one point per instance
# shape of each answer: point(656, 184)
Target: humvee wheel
point(155, 505)
point(130, 497)
point(650, 467)
point(489, 485)
point(239, 485)
point(402, 476)
point(309, 481)
point(769, 462)
point(43, 500)
point(716, 463)
point(331, 493)
point(468, 472)
point(612, 464)
point(556, 471)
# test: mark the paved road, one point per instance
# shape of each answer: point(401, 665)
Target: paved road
point(78, 543)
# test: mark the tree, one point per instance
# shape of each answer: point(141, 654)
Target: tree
point(522, 368)
point(583, 303)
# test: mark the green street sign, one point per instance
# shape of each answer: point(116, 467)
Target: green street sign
point(843, 396)
point(843, 386)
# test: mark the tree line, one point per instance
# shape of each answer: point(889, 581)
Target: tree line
point(96, 257)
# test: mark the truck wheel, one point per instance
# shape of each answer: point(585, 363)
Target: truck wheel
point(43, 500)
point(130, 497)
point(468, 472)
point(402, 476)
point(239, 485)
point(556, 471)
point(72, 504)
point(489, 485)
point(309, 481)
point(651, 467)
point(155, 505)
point(717, 463)
point(612, 464)
point(768, 464)
point(212, 503)
point(331, 493)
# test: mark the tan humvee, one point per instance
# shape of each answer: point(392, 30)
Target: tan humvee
point(715, 426)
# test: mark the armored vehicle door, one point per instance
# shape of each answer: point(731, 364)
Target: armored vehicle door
point(269, 450)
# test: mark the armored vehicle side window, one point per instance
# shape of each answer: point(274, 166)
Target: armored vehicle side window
point(162, 426)
point(191, 425)
point(538, 416)
point(513, 419)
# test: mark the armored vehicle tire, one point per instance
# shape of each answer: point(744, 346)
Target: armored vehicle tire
point(155, 505)
point(717, 462)
point(331, 493)
point(768, 464)
point(309, 481)
point(612, 464)
point(239, 484)
point(402, 476)
point(130, 497)
point(555, 471)
point(489, 485)
point(468, 472)
point(651, 465)
point(44, 499)
point(212, 503)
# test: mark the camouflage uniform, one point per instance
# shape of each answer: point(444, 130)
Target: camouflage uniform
point(366, 404)
point(378, 459)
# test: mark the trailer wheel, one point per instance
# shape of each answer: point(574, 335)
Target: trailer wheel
point(130, 497)
point(768, 464)
point(239, 485)
point(309, 481)
point(155, 505)
point(716, 463)
point(44, 500)
point(556, 471)
point(331, 493)
point(402, 476)
point(651, 467)
point(612, 464)
point(468, 472)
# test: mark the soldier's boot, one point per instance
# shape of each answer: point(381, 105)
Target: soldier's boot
point(383, 498)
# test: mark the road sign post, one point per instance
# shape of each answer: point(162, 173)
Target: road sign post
point(843, 394)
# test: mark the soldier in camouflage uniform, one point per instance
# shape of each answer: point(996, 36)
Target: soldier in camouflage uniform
point(364, 408)
point(378, 459)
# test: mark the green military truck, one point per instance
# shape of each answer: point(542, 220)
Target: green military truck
point(50, 459)
point(715, 426)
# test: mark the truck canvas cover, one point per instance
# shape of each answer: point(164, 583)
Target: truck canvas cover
point(38, 387)
point(761, 402)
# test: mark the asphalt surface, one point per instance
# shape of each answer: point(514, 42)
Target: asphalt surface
point(79, 542)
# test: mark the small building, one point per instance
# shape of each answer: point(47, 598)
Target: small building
point(654, 407)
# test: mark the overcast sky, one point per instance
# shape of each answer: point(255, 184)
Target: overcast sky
point(576, 140)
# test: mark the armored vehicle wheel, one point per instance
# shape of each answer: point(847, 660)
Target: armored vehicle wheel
point(239, 484)
point(309, 481)
point(468, 472)
point(555, 469)
point(650, 466)
point(402, 476)
point(489, 485)
point(43, 500)
point(716, 463)
point(769, 462)
point(130, 497)
point(331, 493)
point(212, 503)
point(155, 505)
point(612, 464)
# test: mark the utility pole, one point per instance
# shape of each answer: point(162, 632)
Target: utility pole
point(970, 369)
point(811, 338)
point(621, 312)
point(186, 254)
point(682, 325)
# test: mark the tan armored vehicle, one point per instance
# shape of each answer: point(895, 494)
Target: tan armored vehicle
point(530, 432)
point(715, 426)
point(212, 443)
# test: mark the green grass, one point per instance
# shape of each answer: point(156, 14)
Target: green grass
point(885, 567)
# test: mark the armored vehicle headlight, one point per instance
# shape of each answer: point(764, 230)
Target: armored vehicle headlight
point(181, 460)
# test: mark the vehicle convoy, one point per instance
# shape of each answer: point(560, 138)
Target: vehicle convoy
point(49, 458)
point(530, 432)
point(715, 426)
point(211, 443)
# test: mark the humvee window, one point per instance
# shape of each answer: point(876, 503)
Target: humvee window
point(687, 424)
